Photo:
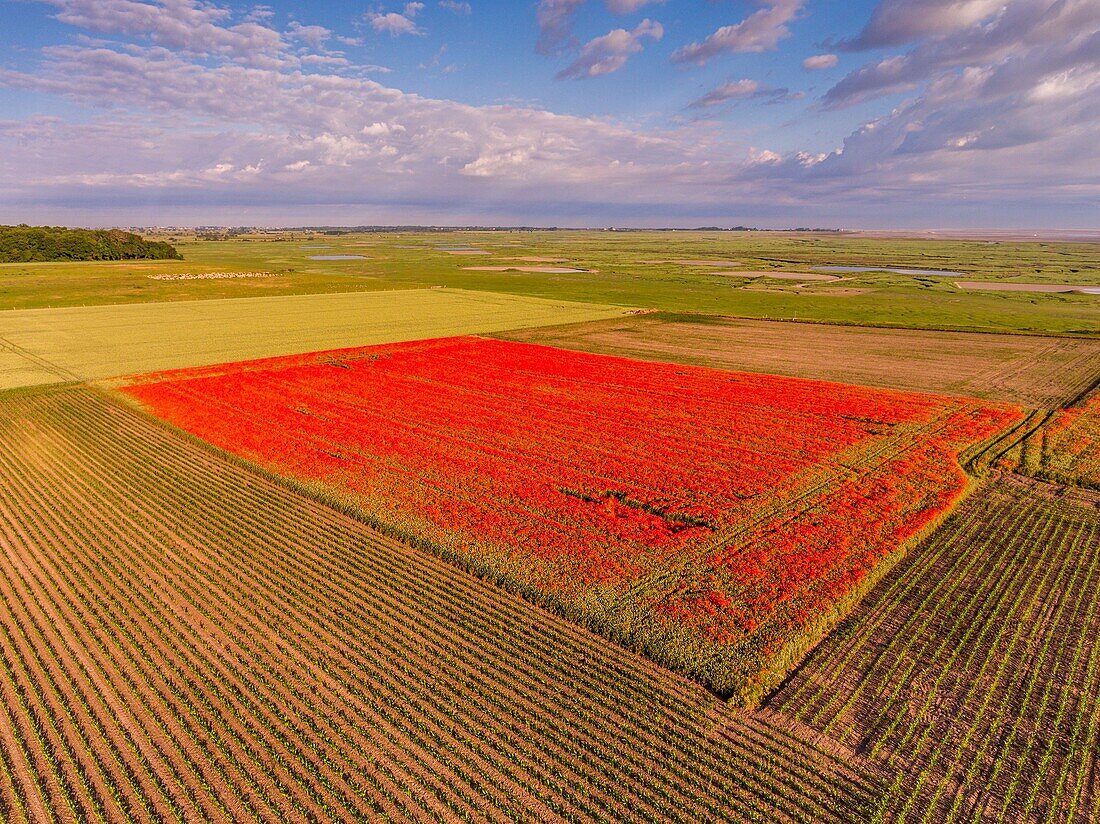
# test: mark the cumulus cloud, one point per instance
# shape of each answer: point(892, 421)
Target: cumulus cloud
point(891, 74)
point(609, 53)
point(1047, 36)
point(759, 32)
point(313, 36)
point(896, 22)
point(260, 14)
point(1003, 116)
point(457, 6)
point(740, 90)
point(972, 131)
point(819, 61)
point(396, 23)
point(1003, 103)
point(733, 90)
point(248, 131)
point(555, 21)
point(190, 26)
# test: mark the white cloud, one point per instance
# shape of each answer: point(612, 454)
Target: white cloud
point(238, 122)
point(732, 90)
point(392, 23)
point(190, 26)
point(819, 61)
point(437, 62)
point(260, 14)
point(628, 6)
point(609, 53)
point(555, 21)
point(355, 134)
point(1023, 37)
point(457, 6)
point(1005, 107)
point(759, 32)
point(742, 90)
point(396, 23)
point(896, 22)
point(313, 36)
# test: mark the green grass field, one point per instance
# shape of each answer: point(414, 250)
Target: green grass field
point(623, 268)
point(47, 345)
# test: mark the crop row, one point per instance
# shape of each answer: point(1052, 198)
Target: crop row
point(709, 518)
point(1067, 448)
point(972, 670)
point(182, 639)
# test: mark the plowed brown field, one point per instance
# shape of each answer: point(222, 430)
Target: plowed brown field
point(1031, 370)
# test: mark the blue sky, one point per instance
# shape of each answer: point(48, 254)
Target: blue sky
point(876, 113)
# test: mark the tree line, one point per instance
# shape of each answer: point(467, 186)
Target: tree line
point(27, 244)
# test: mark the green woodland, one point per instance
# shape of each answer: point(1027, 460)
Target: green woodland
point(40, 244)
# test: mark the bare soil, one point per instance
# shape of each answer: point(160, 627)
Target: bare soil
point(1034, 371)
point(763, 273)
point(1012, 286)
point(801, 276)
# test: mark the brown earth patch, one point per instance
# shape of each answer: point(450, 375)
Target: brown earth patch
point(802, 276)
point(840, 291)
point(1035, 371)
point(762, 273)
point(1012, 286)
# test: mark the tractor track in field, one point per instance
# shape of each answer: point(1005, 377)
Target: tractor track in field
point(63, 374)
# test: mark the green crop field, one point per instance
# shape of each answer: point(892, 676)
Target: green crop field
point(85, 343)
point(972, 671)
point(182, 639)
point(629, 269)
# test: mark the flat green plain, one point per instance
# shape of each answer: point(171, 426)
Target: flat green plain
point(658, 270)
point(40, 346)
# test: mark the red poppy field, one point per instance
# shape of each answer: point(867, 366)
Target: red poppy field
point(1069, 445)
point(718, 521)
